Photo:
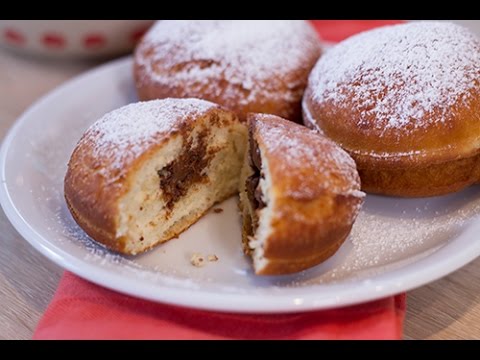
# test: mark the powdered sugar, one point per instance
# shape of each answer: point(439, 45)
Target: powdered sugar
point(399, 75)
point(124, 134)
point(253, 58)
point(311, 157)
point(396, 232)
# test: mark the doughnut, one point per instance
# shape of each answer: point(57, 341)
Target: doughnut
point(243, 65)
point(404, 102)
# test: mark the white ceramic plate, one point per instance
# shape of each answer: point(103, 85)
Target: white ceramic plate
point(396, 245)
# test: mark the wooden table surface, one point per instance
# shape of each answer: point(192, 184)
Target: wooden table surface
point(446, 309)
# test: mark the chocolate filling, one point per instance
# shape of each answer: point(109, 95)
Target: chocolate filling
point(187, 169)
point(254, 192)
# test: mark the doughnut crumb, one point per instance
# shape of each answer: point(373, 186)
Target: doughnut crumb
point(198, 260)
point(212, 258)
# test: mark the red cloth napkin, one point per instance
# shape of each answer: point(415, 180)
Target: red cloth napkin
point(82, 310)
point(338, 30)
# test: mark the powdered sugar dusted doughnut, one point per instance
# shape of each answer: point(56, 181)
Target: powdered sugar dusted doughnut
point(404, 101)
point(144, 173)
point(245, 65)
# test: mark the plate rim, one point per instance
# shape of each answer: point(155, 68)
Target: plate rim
point(359, 291)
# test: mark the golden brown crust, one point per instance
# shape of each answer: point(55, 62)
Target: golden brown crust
point(315, 194)
point(442, 141)
point(298, 244)
point(91, 198)
point(431, 180)
point(243, 80)
point(96, 180)
point(288, 109)
point(442, 159)
point(102, 235)
point(291, 265)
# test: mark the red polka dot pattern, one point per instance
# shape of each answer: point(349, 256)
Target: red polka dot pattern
point(54, 41)
point(14, 37)
point(88, 41)
point(94, 41)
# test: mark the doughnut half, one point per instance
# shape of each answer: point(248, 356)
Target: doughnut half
point(299, 196)
point(144, 173)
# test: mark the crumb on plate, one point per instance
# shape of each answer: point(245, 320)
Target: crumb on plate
point(212, 258)
point(198, 260)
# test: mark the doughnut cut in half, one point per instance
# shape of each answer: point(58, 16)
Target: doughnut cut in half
point(299, 196)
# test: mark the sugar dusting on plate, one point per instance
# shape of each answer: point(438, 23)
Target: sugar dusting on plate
point(390, 233)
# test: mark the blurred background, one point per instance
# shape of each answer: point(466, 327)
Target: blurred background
point(72, 38)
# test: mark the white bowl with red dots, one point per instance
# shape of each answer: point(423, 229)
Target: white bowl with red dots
point(72, 38)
